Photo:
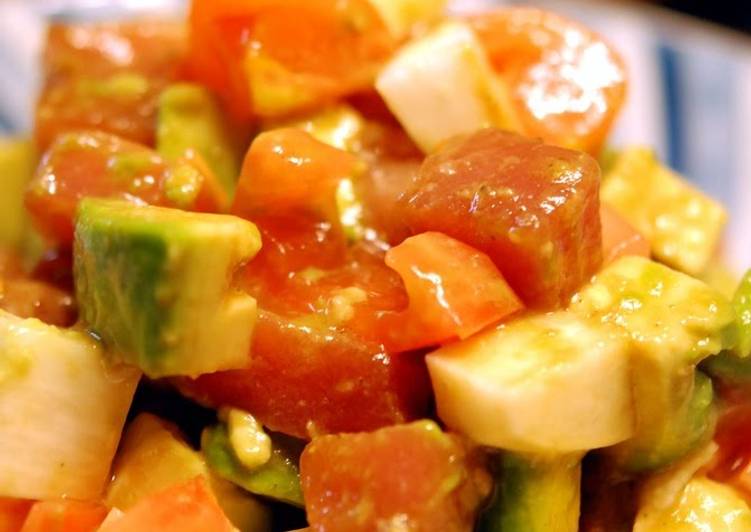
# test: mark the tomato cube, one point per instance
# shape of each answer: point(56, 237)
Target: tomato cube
point(531, 207)
point(409, 477)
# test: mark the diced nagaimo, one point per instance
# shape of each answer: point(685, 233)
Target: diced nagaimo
point(682, 225)
point(442, 85)
point(409, 477)
point(531, 207)
point(63, 406)
point(551, 383)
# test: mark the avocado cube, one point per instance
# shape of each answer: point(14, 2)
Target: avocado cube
point(17, 160)
point(156, 283)
point(190, 118)
point(682, 224)
point(534, 493)
point(674, 321)
point(278, 479)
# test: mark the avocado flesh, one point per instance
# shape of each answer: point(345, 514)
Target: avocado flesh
point(17, 160)
point(278, 479)
point(535, 494)
point(190, 118)
point(674, 322)
point(156, 283)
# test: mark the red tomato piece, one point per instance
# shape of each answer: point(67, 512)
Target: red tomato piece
point(187, 507)
point(34, 299)
point(67, 515)
point(532, 208)
point(302, 380)
point(107, 76)
point(273, 57)
point(567, 84)
point(287, 169)
point(55, 267)
point(29, 297)
point(13, 513)
point(454, 291)
point(410, 477)
point(620, 238)
point(732, 465)
point(101, 165)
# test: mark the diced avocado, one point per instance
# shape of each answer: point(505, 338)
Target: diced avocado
point(691, 424)
point(62, 409)
point(279, 478)
point(156, 284)
point(153, 456)
point(17, 160)
point(703, 505)
point(742, 307)
point(734, 366)
point(674, 322)
point(190, 118)
point(682, 224)
point(534, 494)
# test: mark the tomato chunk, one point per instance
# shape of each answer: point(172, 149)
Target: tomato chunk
point(97, 164)
point(567, 84)
point(454, 291)
point(68, 515)
point(620, 238)
point(732, 465)
point(107, 76)
point(288, 169)
point(304, 380)
point(188, 507)
point(13, 513)
point(413, 477)
point(532, 208)
point(273, 57)
point(32, 297)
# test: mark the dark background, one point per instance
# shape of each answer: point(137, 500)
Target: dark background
point(735, 14)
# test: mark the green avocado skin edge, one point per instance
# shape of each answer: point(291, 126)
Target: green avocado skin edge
point(534, 494)
point(278, 479)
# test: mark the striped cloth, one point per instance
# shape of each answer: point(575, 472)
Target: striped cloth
point(689, 97)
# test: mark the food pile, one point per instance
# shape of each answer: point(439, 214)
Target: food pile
point(358, 265)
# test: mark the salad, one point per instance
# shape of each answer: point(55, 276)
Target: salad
point(358, 265)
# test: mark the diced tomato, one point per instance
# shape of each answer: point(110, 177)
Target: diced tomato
point(732, 465)
point(34, 299)
point(107, 76)
point(410, 477)
point(304, 379)
point(620, 238)
point(13, 513)
point(532, 208)
point(188, 507)
point(30, 297)
point(566, 83)
point(98, 164)
point(288, 169)
point(55, 267)
point(454, 291)
point(273, 57)
point(65, 515)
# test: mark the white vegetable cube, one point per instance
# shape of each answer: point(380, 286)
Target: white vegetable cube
point(553, 383)
point(62, 409)
point(443, 85)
